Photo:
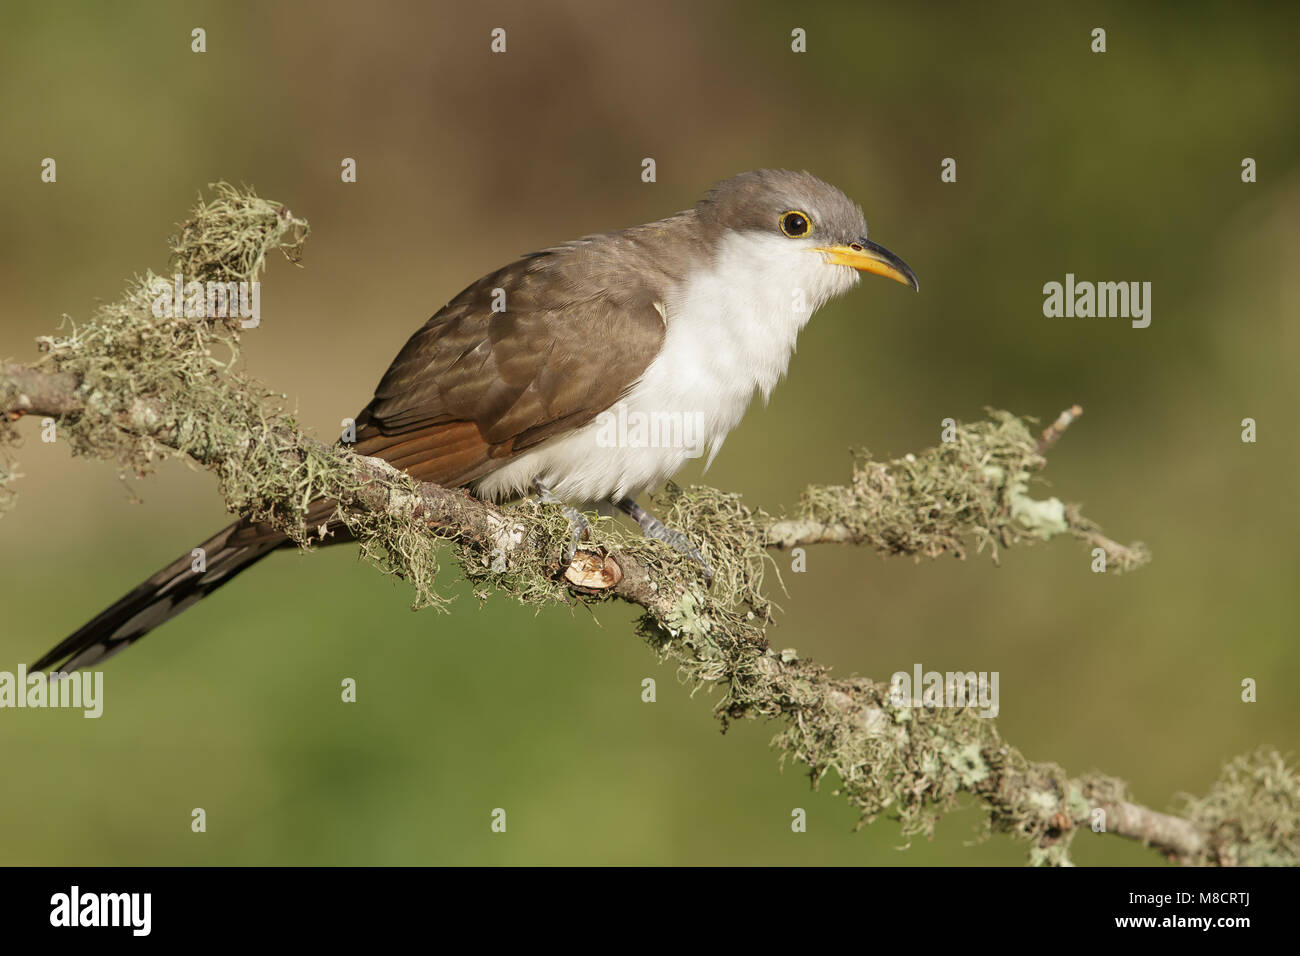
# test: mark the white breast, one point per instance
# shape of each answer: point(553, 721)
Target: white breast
point(730, 330)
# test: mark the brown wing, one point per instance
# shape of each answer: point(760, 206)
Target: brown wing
point(474, 388)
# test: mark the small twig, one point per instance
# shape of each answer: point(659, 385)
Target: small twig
point(30, 391)
point(1055, 430)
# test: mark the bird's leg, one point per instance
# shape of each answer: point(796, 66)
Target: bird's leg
point(579, 529)
point(652, 527)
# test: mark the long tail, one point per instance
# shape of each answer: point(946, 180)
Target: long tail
point(451, 454)
point(163, 596)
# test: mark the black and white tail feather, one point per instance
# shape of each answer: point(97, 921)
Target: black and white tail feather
point(159, 599)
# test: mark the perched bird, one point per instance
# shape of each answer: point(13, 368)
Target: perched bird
point(504, 389)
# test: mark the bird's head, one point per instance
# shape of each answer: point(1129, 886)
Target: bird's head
point(795, 219)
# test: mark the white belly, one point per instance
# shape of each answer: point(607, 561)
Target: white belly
point(729, 331)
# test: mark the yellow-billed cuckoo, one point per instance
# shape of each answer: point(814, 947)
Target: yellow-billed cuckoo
point(501, 390)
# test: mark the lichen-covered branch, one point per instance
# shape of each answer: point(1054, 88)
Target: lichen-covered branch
point(135, 387)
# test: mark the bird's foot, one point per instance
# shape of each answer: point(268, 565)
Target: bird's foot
point(652, 527)
point(579, 528)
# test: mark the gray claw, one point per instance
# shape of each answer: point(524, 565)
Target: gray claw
point(652, 527)
point(579, 529)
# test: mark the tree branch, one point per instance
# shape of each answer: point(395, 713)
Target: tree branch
point(135, 387)
point(29, 391)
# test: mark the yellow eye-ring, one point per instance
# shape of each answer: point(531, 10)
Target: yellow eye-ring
point(795, 223)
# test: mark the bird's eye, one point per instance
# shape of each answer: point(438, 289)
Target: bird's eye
point(795, 223)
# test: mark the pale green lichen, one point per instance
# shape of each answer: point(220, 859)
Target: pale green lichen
point(1252, 812)
point(974, 488)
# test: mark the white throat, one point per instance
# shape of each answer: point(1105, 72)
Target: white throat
point(730, 330)
point(740, 317)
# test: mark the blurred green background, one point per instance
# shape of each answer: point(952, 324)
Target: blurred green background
point(1122, 166)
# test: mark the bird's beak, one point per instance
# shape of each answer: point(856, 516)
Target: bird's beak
point(867, 256)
